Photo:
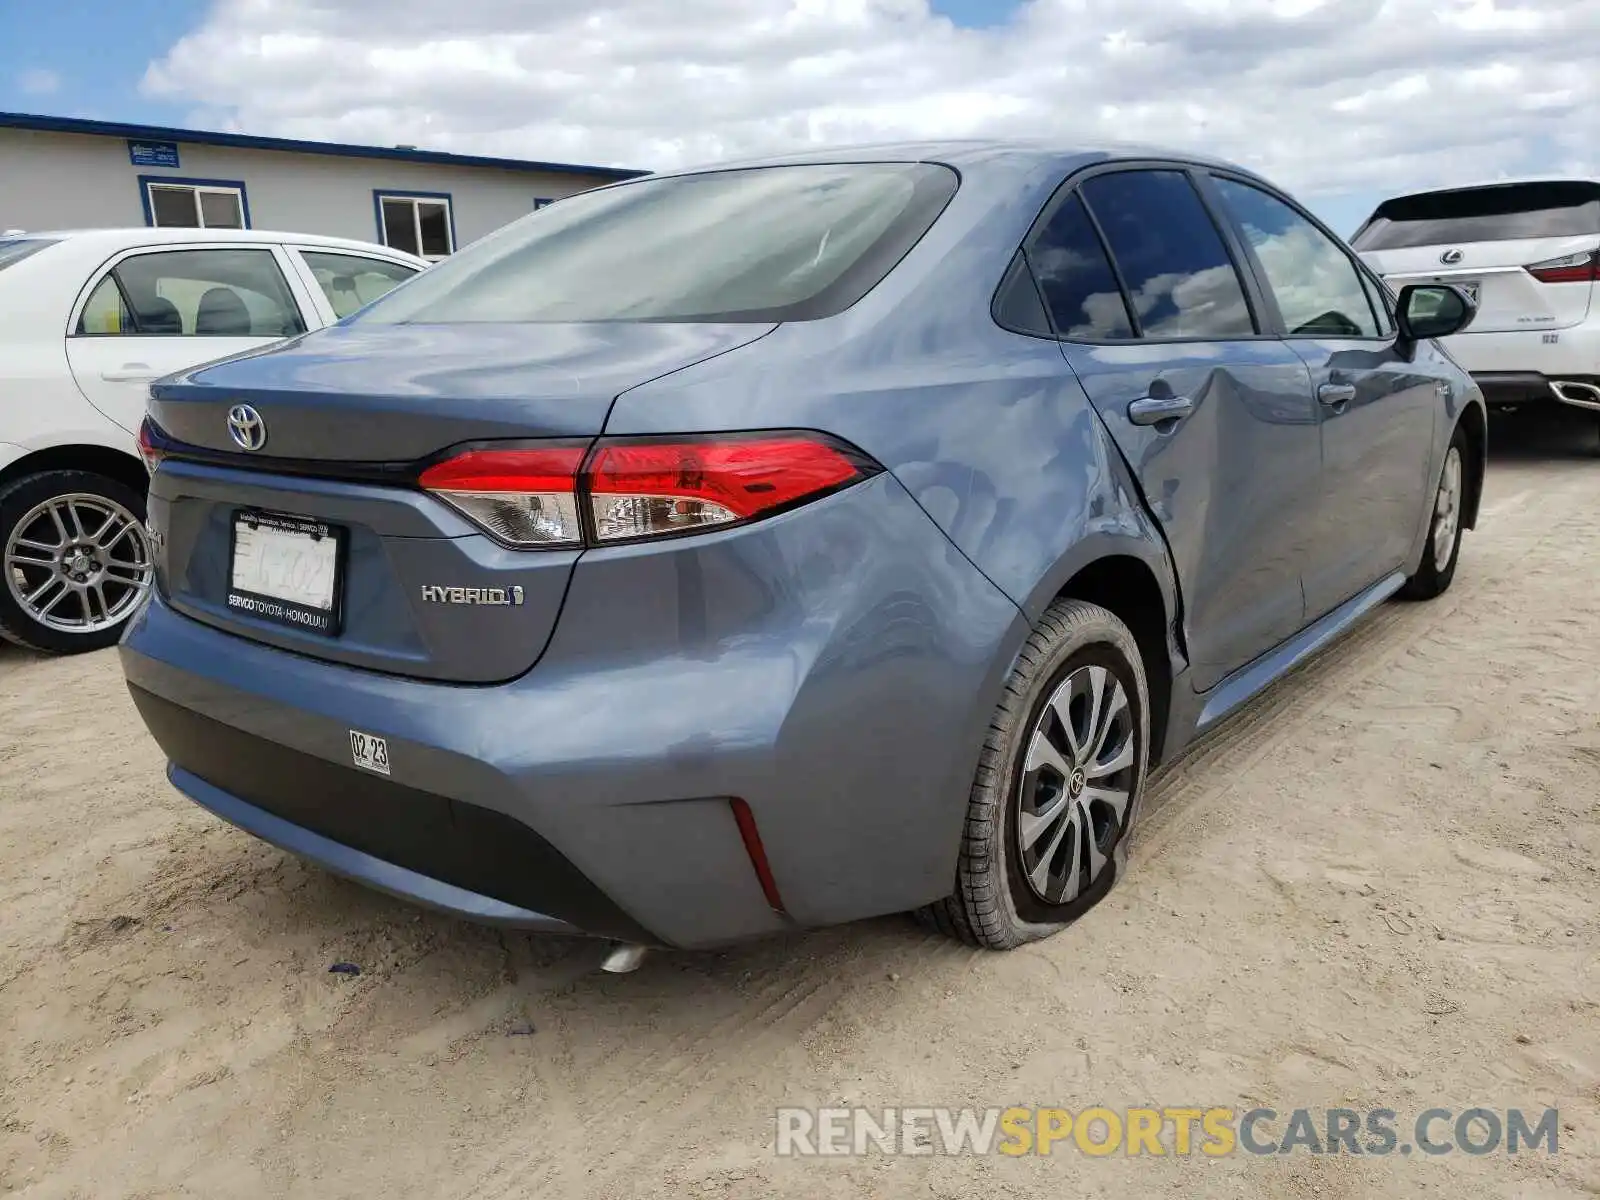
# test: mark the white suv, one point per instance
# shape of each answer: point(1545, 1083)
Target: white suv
point(87, 320)
point(1529, 250)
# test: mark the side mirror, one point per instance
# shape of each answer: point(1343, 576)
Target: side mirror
point(1433, 310)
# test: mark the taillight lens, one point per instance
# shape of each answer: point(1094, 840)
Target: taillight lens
point(524, 497)
point(1570, 268)
point(640, 488)
point(148, 450)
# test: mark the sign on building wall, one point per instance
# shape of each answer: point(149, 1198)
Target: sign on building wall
point(153, 154)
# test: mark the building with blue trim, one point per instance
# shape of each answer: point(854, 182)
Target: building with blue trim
point(63, 172)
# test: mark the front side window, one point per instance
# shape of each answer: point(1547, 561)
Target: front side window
point(194, 293)
point(1318, 288)
point(1175, 265)
point(1080, 291)
point(417, 225)
point(780, 243)
point(196, 206)
point(350, 281)
point(1382, 306)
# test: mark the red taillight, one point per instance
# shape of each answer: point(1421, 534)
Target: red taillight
point(525, 497)
point(148, 450)
point(1570, 268)
point(638, 488)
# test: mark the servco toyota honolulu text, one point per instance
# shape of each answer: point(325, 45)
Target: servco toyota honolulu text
point(871, 523)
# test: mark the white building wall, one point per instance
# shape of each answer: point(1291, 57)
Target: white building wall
point(69, 180)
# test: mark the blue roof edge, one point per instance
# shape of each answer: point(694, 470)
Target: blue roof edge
point(245, 141)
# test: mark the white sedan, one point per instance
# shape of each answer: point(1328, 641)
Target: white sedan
point(87, 319)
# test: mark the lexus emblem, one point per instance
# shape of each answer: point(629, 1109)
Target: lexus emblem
point(246, 428)
point(1451, 257)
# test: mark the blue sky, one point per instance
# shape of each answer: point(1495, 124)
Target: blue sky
point(94, 52)
point(85, 58)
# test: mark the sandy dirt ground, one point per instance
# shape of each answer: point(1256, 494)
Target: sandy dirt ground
point(1378, 888)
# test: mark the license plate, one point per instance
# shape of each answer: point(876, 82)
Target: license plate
point(286, 570)
point(369, 752)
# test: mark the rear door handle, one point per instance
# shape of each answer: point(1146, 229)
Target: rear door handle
point(131, 373)
point(1153, 410)
point(1336, 393)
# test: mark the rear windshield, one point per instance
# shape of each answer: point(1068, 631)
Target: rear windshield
point(14, 250)
point(1487, 214)
point(760, 244)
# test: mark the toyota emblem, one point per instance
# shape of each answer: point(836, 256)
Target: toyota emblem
point(246, 428)
point(1451, 257)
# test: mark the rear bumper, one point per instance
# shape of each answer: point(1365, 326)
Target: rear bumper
point(834, 667)
point(1504, 389)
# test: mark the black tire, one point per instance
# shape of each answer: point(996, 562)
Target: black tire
point(993, 905)
point(1431, 579)
point(20, 498)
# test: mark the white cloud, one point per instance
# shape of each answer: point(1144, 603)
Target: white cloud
point(1321, 95)
point(39, 82)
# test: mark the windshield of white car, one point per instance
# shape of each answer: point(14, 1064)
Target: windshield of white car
point(785, 243)
point(1497, 213)
point(14, 250)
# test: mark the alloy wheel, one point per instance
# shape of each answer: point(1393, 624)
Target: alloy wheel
point(1447, 511)
point(1076, 784)
point(78, 563)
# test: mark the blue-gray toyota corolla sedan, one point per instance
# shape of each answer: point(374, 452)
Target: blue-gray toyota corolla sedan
point(790, 542)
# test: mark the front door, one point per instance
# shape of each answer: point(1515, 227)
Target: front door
point(1377, 410)
point(157, 311)
point(1216, 420)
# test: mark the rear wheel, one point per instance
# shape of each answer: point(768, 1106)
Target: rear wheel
point(1058, 784)
point(1444, 528)
point(74, 560)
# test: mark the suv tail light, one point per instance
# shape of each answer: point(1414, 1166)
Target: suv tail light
point(1570, 268)
point(635, 488)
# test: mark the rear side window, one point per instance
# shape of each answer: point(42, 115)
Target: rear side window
point(14, 250)
point(786, 243)
point(1080, 290)
point(1317, 286)
point(194, 293)
point(1180, 280)
point(1502, 212)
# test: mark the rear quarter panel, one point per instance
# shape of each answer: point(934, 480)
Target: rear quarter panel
point(988, 430)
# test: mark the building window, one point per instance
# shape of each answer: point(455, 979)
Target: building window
point(194, 203)
point(416, 222)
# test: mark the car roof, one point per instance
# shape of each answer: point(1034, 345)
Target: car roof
point(144, 236)
point(964, 153)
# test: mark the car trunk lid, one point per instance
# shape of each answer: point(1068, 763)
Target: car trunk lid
point(319, 540)
point(1510, 297)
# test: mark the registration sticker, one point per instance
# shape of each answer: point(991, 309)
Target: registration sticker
point(369, 752)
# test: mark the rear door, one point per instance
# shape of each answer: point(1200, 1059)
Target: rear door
point(1527, 251)
point(156, 310)
point(1214, 416)
point(1378, 411)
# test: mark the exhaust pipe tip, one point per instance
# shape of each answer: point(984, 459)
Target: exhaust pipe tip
point(1579, 395)
point(623, 958)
